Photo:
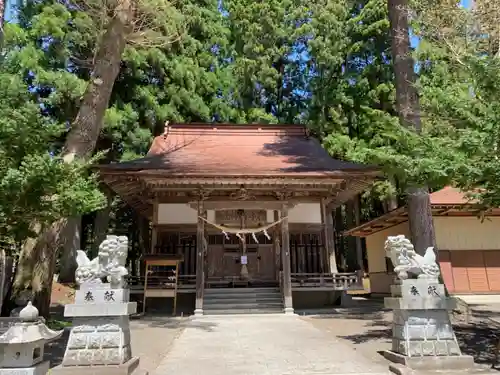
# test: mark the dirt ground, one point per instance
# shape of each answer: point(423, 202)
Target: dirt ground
point(62, 294)
point(367, 328)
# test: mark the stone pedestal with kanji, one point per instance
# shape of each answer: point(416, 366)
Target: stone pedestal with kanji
point(99, 342)
point(422, 334)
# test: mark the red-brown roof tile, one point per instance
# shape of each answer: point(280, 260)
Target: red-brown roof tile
point(239, 149)
point(449, 196)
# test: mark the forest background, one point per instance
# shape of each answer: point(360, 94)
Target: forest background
point(94, 80)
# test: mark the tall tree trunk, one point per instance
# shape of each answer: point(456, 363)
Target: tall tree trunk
point(72, 242)
point(101, 224)
point(37, 263)
point(419, 211)
point(392, 201)
point(2, 21)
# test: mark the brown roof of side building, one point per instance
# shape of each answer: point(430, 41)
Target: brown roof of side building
point(230, 150)
point(448, 201)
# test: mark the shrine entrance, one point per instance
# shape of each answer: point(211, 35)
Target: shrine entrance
point(242, 205)
point(241, 252)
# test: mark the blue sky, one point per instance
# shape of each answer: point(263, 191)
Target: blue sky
point(464, 3)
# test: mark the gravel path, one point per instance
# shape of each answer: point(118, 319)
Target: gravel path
point(262, 345)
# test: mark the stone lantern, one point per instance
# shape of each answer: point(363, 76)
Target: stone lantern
point(22, 346)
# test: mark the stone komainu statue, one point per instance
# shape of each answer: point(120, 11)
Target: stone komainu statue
point(109, 263)
point(407, 262)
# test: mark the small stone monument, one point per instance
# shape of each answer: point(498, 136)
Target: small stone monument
point(99, 342)
point(422, 334)
point(21, 347)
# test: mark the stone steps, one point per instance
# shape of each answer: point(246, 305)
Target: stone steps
point(242, 301)
point(240, 311)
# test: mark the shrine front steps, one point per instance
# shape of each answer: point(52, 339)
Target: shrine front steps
point(242, 301)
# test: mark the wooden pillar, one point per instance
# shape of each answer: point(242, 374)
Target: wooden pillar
point(325, 255)
point(330, 239)
point(276, 246)
point(154, 222)
point(200, 260)
point(357, 222)
point(285, 258)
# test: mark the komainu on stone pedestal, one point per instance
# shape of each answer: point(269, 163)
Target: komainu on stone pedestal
point(422, 334)
point(99, 342)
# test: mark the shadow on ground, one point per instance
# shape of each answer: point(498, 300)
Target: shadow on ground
point(55, 350)
point(171, 322)
point(478, 338)
point(368, 312)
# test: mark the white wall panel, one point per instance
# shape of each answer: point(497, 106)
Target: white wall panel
point(176, 213)
point(305, 213)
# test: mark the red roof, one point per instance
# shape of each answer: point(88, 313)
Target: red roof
point(226, 149)
point(449, 196)
point(447, 201)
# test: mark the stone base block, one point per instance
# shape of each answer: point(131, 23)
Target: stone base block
point(128, 368)
point(101, 294)
point(40, 369)
point(455, 363)
point(345, 299)
point(100, 309)
point(198, 312)
point(289, 311)
point(418, 303)
point(99, 341)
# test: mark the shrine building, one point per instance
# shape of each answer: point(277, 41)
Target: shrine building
point(245, 210)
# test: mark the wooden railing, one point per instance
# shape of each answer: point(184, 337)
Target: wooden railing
point(327, 281)
point(186, 283)
point(300, 281)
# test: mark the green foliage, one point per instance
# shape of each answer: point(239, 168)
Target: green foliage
point(460, 90)
point(33, 184)
point(325, 63)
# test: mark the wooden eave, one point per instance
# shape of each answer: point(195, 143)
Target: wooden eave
point(158, 173)
point(400, 215)
point(142, 190)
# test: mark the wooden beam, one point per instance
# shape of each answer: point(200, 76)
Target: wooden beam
point(216, 201)
point(285, 258)
point(242, 205)
point(223, 182)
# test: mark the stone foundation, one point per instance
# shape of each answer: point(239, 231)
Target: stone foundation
point(129, 367)
point(99, 342)
point(422, 334)
point(40, 369)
